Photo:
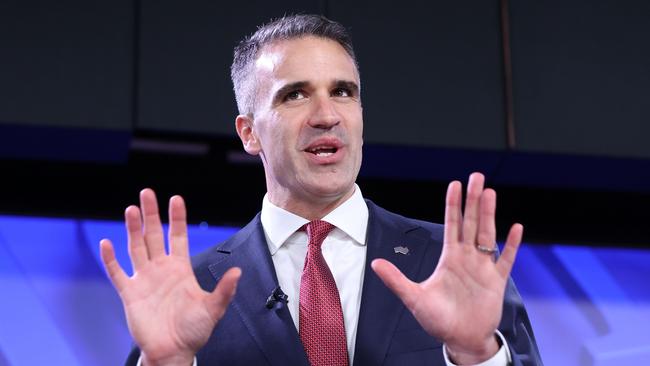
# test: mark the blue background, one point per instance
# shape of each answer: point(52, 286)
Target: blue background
point(588, 306)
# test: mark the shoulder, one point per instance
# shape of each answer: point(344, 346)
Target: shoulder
point(388, 219)
point(221, 251)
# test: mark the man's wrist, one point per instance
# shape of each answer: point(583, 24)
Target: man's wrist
point(172, 361)
point(501, 358)
point(462, 356)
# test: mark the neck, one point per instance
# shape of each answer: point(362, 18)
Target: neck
point(310, 208)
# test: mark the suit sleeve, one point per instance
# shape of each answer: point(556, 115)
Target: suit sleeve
point(517, 330)
point(134, 357)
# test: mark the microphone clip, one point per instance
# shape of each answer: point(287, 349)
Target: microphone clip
point(276, 296)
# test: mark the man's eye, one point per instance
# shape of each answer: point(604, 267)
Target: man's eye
point(342, 92)
point(295, 95)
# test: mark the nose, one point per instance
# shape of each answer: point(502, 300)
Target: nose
point(324, 114)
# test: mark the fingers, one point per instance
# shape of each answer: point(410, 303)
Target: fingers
point(507, 257)
point(149, 242)
point(218, 300)
point(453, 216)
point(476, 223)
point(487, 232)
point(472, 207)
point(136, 245)
point(395, 280)
point(115, 272)
point(178, 242)
point(153, 234)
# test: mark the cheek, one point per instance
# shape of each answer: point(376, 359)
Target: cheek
point(354, 114)
point(357, 129)
point(278, 145)
point(269, 133)
point(287, 129)
point(281, 139)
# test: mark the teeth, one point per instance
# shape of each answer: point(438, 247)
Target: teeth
point(323, 151)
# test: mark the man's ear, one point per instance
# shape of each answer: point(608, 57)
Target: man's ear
point(246, 132)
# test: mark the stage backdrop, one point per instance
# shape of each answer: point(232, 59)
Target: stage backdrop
point(588, 306)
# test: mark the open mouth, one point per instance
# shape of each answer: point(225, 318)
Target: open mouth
point(323, 151)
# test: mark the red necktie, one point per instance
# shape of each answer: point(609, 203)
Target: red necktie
point(322, 330)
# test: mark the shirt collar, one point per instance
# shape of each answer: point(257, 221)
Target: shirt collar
point(351, 217)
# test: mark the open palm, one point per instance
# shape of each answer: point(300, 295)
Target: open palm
point(169, 316)
point(461, 302)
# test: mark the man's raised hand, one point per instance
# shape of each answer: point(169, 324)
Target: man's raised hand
point(461, 302)
point(169, 316)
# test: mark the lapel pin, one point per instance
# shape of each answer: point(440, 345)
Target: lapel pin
point(401, 250)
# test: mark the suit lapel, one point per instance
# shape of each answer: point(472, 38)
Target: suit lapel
point(272, 329)
point(380, 308)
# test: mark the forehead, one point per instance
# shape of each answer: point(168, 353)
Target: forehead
point(305, 59)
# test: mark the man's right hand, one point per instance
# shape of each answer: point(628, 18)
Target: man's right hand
point(169, 316)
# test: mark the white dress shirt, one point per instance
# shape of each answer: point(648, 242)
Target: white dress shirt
point(344, 250)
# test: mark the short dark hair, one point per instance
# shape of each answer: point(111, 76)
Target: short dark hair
point(285, 28)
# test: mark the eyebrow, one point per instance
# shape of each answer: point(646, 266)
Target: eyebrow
point(280, 93)
point(351, 85)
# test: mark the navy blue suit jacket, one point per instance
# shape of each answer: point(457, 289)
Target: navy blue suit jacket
point(387, 334)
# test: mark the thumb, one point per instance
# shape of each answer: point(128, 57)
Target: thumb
point(395, 280)
point(218, 300)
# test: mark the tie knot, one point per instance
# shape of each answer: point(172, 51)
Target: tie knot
point(317, 231)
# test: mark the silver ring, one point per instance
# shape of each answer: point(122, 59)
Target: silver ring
point(486, 250)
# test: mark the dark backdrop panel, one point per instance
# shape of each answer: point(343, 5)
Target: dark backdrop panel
point(431, 72)
point(66, 63)
point(582, 76)
point(186, 52)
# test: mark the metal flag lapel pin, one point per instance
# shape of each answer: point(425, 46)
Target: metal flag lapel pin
point(401, 250)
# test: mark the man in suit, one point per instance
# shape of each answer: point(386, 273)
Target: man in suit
point(364, 286)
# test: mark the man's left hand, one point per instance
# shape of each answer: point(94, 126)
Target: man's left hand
point(461, 302)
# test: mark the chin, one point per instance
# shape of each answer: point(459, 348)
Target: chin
point(331, 189)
